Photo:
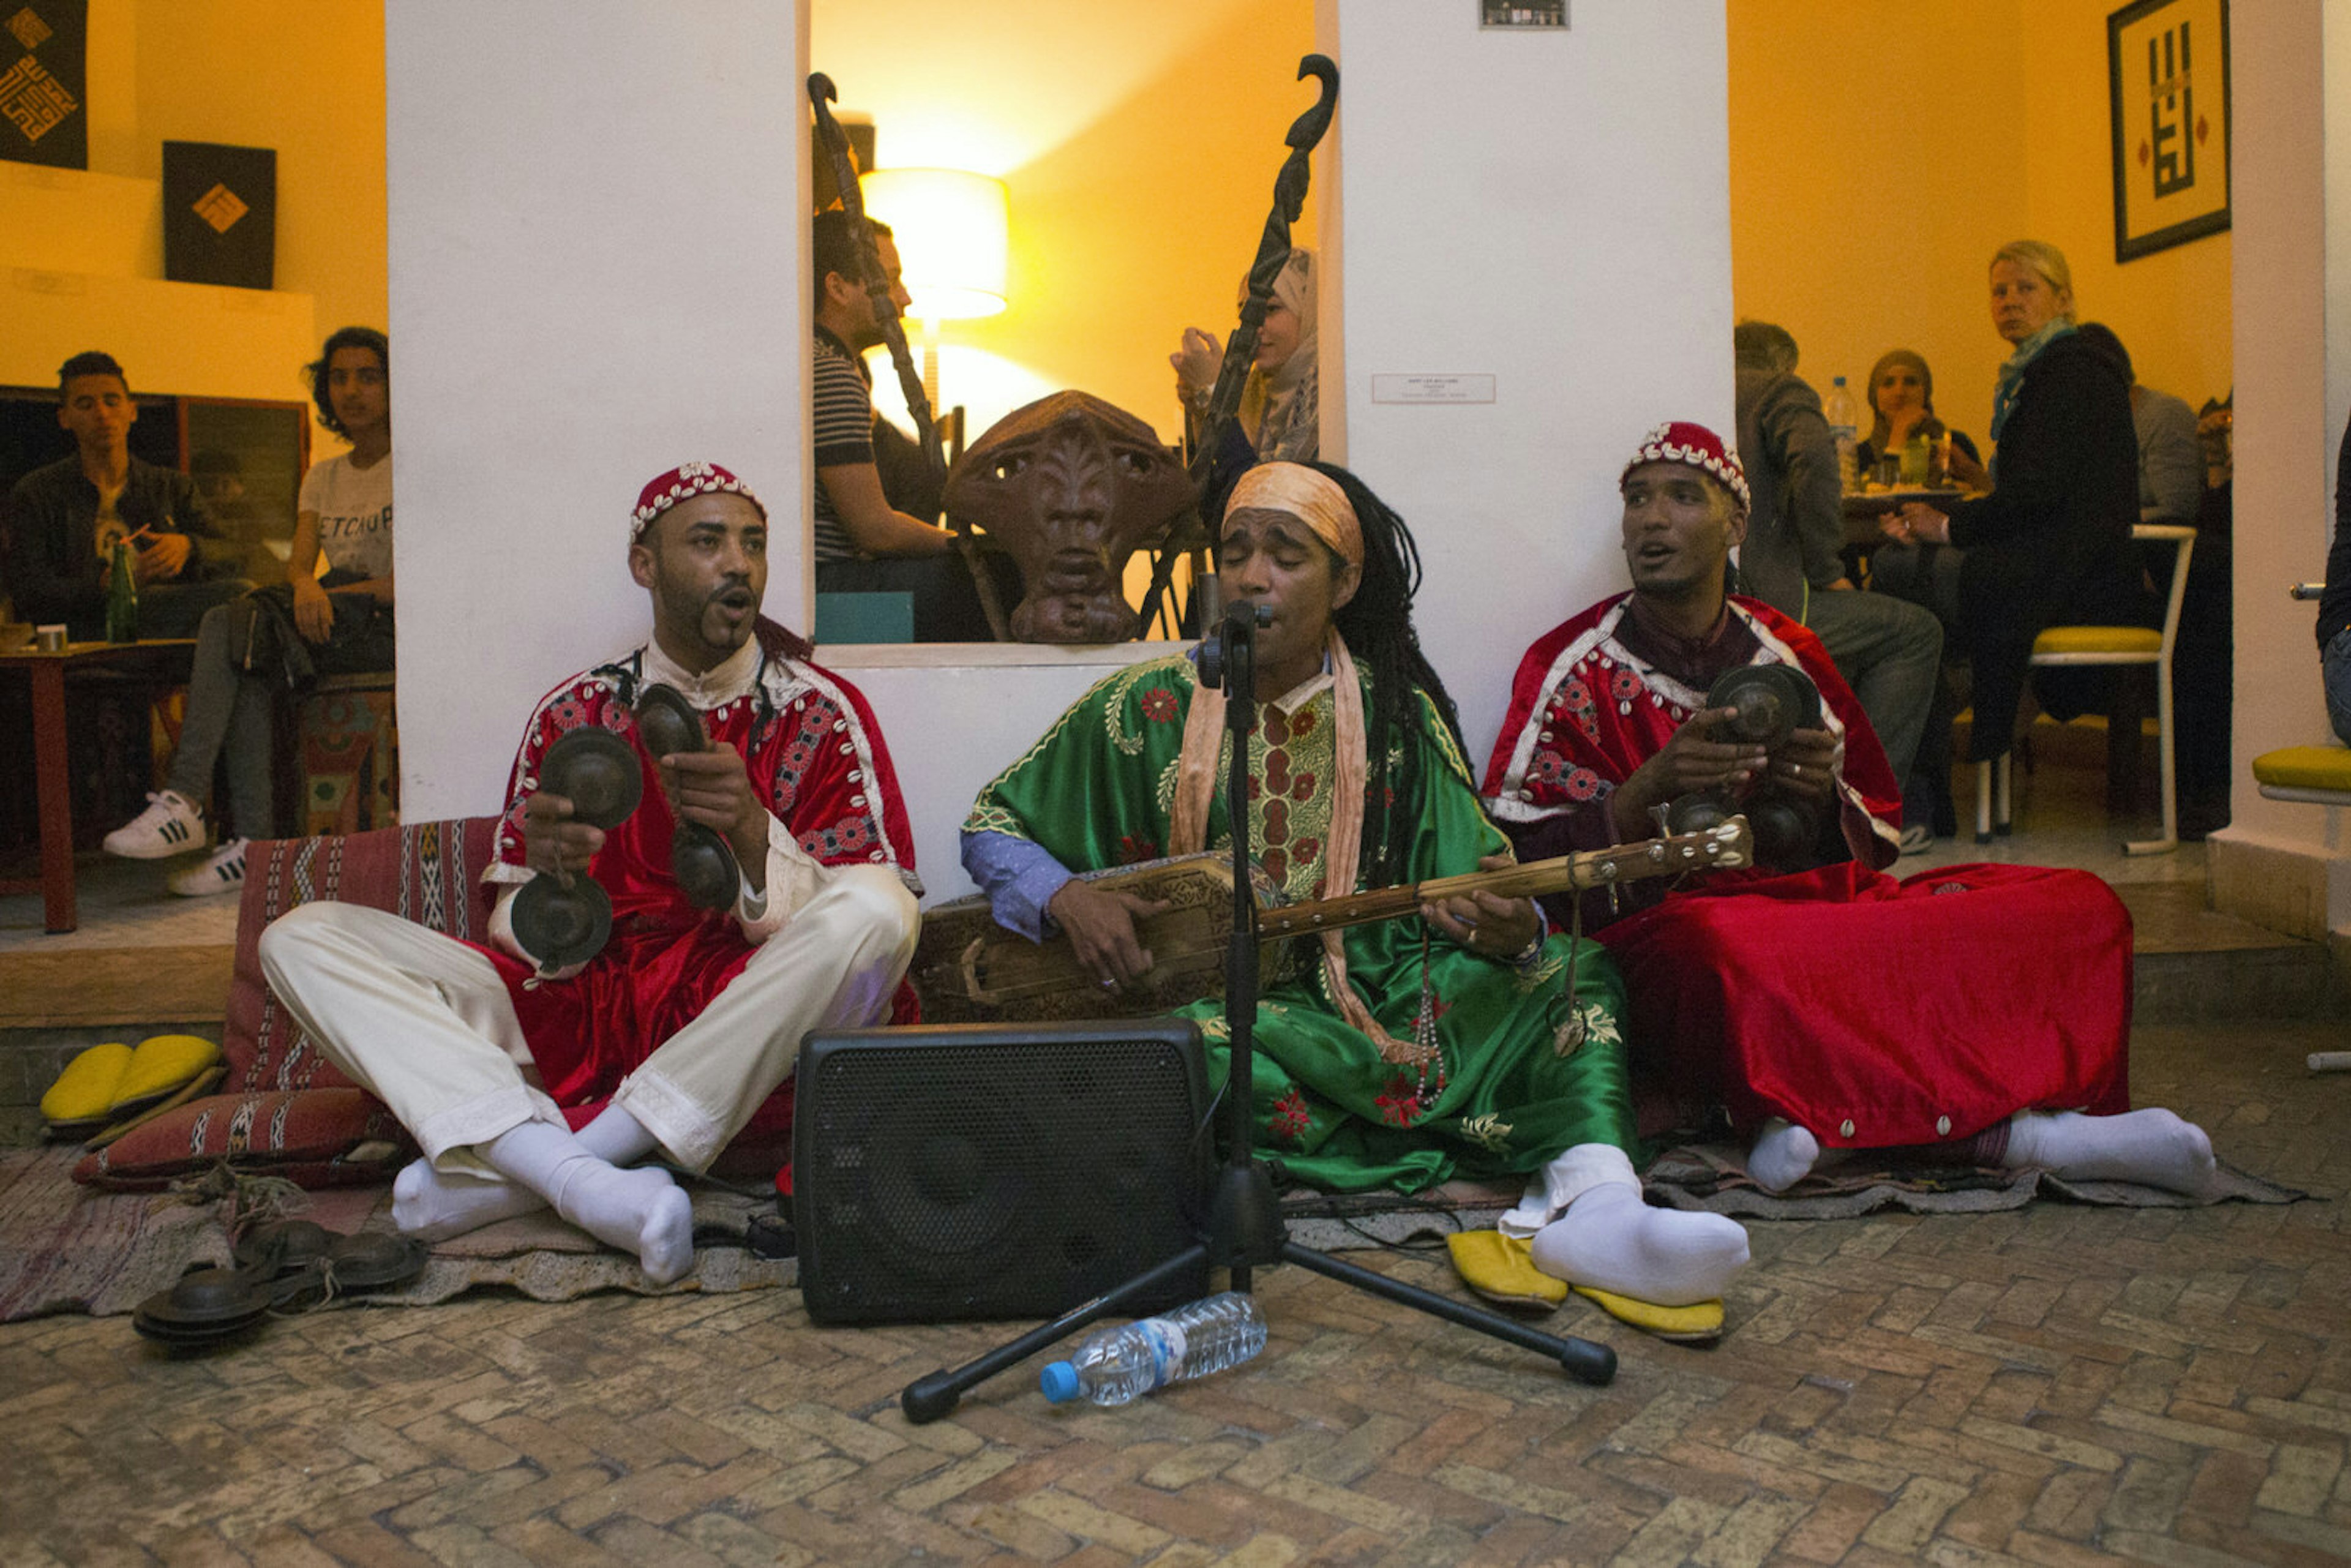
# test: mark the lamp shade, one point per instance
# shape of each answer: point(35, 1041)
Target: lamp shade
point(951, 227)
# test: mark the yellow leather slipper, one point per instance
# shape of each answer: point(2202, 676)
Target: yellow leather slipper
point(202, 1083)
point(84, 1092)
point(163, 1065)
point(1502, 1269)
point(1698, 1323)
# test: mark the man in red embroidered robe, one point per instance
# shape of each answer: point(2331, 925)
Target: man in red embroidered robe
point(1829, 1007)
point(689, 1018)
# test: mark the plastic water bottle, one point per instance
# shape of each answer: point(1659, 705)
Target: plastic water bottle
point(1843, 417)
point(1113, 1366)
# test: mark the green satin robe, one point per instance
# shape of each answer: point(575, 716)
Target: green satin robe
point(1098, 791)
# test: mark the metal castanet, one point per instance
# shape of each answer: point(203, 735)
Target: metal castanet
point(835, 142)
point(1290, 188)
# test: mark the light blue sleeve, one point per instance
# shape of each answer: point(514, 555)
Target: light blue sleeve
point(1020, 877)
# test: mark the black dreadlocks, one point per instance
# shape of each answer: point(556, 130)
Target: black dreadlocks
point(1377, 625)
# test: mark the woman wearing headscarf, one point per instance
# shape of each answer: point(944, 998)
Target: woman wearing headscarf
point(1279, 418)
point(2051, 544)
point(1902, 400)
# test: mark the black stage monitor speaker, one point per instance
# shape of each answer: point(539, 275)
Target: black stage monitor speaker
point(995, 1171)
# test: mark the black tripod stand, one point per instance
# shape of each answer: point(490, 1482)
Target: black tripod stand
point(1245, 1227)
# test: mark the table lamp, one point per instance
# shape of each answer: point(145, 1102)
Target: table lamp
point(951, 227)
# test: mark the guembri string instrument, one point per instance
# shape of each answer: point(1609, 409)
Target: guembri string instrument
point(968, 968)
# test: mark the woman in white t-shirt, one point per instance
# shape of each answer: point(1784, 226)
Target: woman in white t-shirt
point(333, 617)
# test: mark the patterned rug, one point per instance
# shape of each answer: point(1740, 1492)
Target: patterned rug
point(67, 1249)
point(1712, 1178)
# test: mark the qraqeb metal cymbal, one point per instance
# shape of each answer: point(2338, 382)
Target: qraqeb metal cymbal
point(1774, 701)
point(597, 771)
point(667, 723)
point(700, 858)
point(558, 923)
point(705, 866)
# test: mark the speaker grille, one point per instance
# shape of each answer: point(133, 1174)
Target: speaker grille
point(997, 1171)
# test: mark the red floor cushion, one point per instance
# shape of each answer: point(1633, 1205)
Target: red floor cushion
point(262, 1121)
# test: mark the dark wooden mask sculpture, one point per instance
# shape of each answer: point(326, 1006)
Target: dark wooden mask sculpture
point(1072, 486)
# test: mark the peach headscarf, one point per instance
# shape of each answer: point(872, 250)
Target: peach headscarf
point(1316, 500)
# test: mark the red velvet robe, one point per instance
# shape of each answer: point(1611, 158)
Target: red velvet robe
point(816, 760)
point(1875, 1013)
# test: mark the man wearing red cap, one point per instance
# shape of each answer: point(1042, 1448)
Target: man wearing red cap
point(1827, 1005)
point(689, 1018)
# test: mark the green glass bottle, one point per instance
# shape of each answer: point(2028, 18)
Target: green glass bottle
point(121, 598)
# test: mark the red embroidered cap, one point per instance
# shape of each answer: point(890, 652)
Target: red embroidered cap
point(685, 480)
point(1695, 446)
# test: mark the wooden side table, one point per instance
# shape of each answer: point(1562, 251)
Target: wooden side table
point(165, 659)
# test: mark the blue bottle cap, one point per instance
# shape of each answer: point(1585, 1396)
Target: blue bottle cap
point(1059, 1382)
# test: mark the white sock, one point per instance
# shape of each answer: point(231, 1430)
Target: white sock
point(1610, 1240)
point(1550, 1189)
point(640, 1211)
point(1783, 1154)
point(433, 1207)
point(2152, 1147)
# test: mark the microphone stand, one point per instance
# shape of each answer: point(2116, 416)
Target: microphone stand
point(1245, 1230)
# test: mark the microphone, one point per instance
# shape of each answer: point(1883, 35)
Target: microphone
point(1227, 654)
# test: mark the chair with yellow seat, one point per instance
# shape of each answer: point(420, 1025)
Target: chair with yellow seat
point(2060, 646)
point(2312, 775)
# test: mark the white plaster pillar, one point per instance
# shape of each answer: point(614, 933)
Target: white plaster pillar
point(596, 253)
point(2280, 864)
point(1550, 209)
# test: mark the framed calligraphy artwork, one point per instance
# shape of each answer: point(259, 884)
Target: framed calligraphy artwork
point(2167, 71)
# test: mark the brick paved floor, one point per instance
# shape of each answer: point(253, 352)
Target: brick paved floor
point(2058, 1385)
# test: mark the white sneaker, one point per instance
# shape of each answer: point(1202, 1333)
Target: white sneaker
point(222, 872)
point(1917, 839)
point(172, 824)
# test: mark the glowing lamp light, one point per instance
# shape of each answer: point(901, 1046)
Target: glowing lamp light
point(951, 227)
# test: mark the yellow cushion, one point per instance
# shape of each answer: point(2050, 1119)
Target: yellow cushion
point(2305, 768)
point(2098, 640)
point(1503, 1269)
point(85, 1090)
point(161, 1063)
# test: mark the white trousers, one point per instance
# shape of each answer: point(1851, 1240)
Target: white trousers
point(424, 1023)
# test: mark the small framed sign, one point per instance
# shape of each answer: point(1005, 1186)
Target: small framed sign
point(2168, 70)
point(1547, 13)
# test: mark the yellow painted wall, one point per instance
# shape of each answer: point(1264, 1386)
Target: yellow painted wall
point(1880, 154)
point(2170, 308)
point(1143, 223)
point(304, 77)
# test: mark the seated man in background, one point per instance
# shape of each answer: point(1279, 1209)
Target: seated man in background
point(1888, 649)
point(689, 1016)
point(2170, 458)
point(864, 544)
point(63, 520)
point(1830, 1007)
point(1407, 1052)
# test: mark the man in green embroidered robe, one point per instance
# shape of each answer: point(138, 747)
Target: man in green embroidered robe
point(1357, 783)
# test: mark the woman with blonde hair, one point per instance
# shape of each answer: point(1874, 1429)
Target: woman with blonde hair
point(2051, 544)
